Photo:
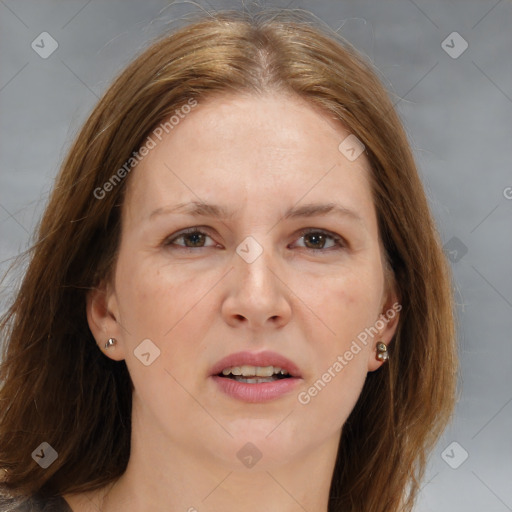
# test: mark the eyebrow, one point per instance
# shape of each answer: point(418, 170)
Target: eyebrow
point(194, 208)
point(202, 209)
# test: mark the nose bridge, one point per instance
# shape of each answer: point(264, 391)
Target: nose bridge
point(253, 265)
point(256, 293)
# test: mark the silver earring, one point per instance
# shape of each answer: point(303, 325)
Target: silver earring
point(382, 351)
point(110, 343)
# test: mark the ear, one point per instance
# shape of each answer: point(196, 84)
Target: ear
point(386, 324)
point(103, 319)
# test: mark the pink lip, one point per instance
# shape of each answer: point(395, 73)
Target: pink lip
point(264, 391)
point(254, 393)
point(266, 358)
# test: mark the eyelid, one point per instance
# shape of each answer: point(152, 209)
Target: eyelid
point(195, 229)
point(339, 241)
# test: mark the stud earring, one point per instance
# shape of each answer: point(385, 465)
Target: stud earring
point(110, 343)
point(382, 351)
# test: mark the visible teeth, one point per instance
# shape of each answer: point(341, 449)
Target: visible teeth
point(254, 371)
point(261, 371)
point(255, 380)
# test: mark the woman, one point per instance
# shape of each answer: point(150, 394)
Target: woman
point(237, 299)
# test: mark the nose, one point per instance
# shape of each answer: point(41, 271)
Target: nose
point(257, 295)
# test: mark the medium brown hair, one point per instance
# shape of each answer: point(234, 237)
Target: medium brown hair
point(57, 386)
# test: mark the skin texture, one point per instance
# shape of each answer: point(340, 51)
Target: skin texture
point(257, 156)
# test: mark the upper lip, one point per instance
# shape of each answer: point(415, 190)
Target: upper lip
point(265, 358)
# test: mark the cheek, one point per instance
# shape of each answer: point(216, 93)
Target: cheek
point(345, 304)
point(152, 298)
point(158, 304)
point(341, 309)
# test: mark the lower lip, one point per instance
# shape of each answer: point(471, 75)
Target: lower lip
point(254, 393)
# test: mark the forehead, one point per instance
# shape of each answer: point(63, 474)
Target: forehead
point(244, 147)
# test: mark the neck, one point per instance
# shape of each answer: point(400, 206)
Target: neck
point(165, 475)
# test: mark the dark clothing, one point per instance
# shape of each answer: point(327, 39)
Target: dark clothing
point(35, 504)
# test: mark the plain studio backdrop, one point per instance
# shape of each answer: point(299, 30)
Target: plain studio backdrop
point(448, 68)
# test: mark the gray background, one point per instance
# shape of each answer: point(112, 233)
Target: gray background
point(457, 112)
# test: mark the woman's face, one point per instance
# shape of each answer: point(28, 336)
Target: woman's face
point(274, 248)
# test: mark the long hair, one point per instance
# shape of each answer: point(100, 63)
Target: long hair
point(57, 386)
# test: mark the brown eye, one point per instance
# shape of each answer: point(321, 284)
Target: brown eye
point(320, 240)
point(195, 239)
point(315, 240)
point(189, 239)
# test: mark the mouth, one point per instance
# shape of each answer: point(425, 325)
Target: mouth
point(254, 374)
point(256, 377)
point(262, 365)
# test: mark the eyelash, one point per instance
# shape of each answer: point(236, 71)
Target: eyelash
point(339, 241)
